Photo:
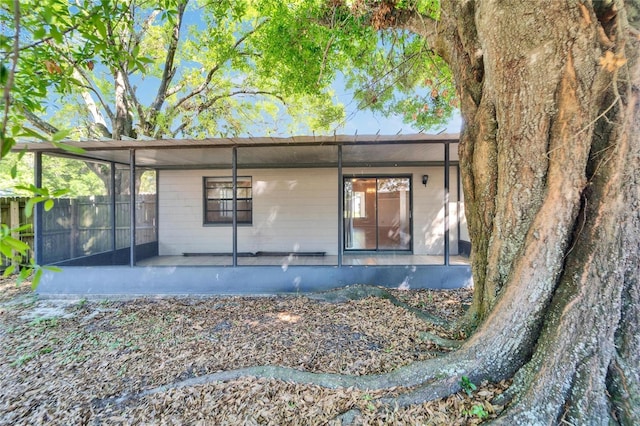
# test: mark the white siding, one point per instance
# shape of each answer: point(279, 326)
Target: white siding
point(293, 210)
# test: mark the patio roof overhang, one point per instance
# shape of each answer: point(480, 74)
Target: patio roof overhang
point(295, 151)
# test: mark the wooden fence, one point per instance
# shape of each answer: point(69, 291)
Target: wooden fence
point(12, 214)
point(83, 226)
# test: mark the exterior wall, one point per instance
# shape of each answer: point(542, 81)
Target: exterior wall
point(294, 210)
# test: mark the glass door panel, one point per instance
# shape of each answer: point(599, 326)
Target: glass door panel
point(360, 214)
point(377, 213)
point(393, 214)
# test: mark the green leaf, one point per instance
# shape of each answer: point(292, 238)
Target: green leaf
point(25, 227)
point(47, 14)
point(60, 192)
point(36, 279)
point(5, 250)
point(7, 144)
point(60, 135)
point(23, 275)
point(30, 188)
point(4, 73)
point(28, 207)
point(14, 171)
point(48, 205)
point(25, 131)
point(10, 269)
point(16, 244)
point(102, 30)
point(31, 202)
point(39, 33)
point(56, 34)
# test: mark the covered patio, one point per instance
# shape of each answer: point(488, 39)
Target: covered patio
point(300, 214)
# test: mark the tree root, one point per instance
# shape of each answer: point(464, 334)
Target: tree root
point(441, 341)
point(434, 378)
point(420, 394)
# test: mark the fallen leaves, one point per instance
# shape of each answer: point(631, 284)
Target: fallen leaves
point(105, 348)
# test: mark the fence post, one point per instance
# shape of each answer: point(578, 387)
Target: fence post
point(14, 217)
point(73, 218)
point(14, 222)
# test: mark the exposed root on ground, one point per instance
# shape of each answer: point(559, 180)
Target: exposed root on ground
point(441, 341)
point(426, 380)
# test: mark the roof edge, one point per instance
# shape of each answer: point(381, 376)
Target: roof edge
point(93, 145)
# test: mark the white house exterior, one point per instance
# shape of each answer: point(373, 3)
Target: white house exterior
point(296, 209)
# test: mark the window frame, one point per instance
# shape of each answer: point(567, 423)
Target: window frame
point(227, 183)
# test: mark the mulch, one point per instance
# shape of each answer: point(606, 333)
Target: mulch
point(61, 361)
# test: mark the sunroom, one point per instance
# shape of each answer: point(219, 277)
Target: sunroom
point(253, 215)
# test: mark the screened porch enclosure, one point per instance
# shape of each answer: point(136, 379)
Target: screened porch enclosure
point(313, 205)
point(312, 212)
point(91, 223)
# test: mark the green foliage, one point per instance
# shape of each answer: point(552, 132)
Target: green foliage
point(388, 71)
point(41, 195)
point(478, 411)
point(199, 68)
point(17, 252)
point(467, 385)
point(16, 171)
point(227, 57)
point(240, 66)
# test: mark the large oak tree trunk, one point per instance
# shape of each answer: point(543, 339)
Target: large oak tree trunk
point(550, 155)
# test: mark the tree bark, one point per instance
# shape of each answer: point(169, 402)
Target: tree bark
point(550, 156)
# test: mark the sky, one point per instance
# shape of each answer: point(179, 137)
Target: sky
point(367, 123)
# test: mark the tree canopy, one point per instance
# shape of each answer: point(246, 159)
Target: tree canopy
point(193, 69)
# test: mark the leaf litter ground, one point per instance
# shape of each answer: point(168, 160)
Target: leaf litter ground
point(61, 360)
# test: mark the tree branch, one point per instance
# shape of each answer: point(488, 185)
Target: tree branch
point(169, 71)
point(134, 99)
point(213, 70)
point(44, 40)
point(39, 123)
point(80, 74)
point(423, 26)
point(88, 100)
point(198, 109)
point(10, 78)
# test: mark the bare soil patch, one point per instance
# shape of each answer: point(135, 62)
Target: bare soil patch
point(62, 361)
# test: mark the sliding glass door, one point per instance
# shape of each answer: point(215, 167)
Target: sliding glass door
point(377, 213)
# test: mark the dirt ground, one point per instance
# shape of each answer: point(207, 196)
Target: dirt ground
point(63, 361)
